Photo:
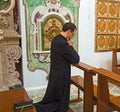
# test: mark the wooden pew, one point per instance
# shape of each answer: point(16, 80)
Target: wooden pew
point(87, 86)
point(78, 81)
point(104, 102)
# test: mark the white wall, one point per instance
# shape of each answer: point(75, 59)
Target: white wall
point(87, 37)
point(86, 31)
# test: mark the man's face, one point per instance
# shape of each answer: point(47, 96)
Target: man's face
point(71, 34)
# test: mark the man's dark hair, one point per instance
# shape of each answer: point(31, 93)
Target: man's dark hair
point(69, 26)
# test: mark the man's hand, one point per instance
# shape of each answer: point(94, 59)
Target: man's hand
point(70, 42)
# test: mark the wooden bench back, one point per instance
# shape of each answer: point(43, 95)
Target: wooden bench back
point(104, 102)
point(115, 64)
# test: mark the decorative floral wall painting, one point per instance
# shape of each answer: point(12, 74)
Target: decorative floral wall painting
point(44, 20)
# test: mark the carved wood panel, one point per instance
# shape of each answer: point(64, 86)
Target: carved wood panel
point(10, 51)
point(107, 33)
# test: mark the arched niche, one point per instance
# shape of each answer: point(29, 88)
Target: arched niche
point(41, 16)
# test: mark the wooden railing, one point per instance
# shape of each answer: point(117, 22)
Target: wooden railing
point(88, 104)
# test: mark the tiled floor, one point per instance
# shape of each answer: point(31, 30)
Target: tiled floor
point(37, 95)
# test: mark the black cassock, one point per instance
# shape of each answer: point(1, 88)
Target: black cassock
point(56, 98)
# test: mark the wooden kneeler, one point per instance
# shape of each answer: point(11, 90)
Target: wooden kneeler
point(78, 81)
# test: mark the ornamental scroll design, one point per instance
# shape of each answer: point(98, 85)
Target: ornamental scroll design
point(6, 14)
point(10, 51)
point(5, 21)
point(13, 53)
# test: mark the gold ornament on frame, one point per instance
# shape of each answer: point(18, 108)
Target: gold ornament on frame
point(53, 1)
